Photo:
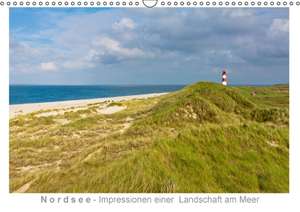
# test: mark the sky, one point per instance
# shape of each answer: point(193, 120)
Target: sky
point(148, 46)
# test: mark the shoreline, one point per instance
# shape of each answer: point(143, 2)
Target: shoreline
point(23, 109)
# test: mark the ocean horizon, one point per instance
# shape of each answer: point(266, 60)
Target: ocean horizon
point(23, 94)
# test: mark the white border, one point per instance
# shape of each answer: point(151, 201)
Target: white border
point(294, 101)
point(4, 96)
point(276, 202)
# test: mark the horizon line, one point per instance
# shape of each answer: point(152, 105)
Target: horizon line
point(233, 84)
point(95, 84)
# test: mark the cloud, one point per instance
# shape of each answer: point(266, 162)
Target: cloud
point(280, 25)
point(279, 29)
point(108, 50)
point(48, 66)
point(124, 24)
point(113, 47)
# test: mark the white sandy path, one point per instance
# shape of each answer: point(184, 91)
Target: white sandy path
point(22, 109)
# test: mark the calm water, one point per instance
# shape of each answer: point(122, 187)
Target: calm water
point(20, 94)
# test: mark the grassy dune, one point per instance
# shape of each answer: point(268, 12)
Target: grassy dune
point(203, 138)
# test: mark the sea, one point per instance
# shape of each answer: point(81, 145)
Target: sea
point(22, 94)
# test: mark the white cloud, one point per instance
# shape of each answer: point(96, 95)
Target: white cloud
point(279, 30)
point(124, 24)
point(109, 46)
point(280, 25)
point(48, 66)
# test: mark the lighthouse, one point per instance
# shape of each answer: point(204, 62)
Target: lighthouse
point(224, 77)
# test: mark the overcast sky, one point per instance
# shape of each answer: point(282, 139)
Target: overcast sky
point(148, 46)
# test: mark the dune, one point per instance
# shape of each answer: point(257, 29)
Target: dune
point(204, 138)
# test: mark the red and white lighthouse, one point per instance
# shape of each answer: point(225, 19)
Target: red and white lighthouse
point(224, 77)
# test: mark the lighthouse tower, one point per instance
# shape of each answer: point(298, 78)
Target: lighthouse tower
point(224, 77)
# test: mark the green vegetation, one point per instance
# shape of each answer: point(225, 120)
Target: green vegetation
point(203, 138)
point(115, 104)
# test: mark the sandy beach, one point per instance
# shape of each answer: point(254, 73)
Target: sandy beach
point(22, 109)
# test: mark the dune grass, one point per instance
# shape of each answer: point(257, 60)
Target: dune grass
point(203, 138)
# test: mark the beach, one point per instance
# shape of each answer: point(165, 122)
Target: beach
point(23, 109)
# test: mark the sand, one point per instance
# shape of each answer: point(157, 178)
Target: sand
point(112, 109)
point(22, 109)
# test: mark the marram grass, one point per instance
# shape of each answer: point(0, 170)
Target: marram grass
point(203, 138)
